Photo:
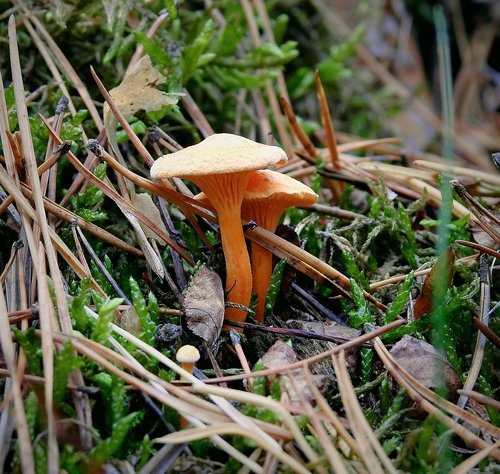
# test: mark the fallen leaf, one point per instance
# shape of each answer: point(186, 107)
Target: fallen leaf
point(145, 204)
point(442, 269)
point(203, 304)
point(138, 90)
point(427, 365)
point(281, 355)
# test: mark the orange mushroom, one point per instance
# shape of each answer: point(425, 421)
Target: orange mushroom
point(267, 196)
point(221, 166)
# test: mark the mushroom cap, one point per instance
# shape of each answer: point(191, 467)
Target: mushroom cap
point(187, 354)
point(219, 153)
point(266, 184)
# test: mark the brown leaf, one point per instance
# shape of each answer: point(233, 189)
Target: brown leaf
point(443, 268)
point(203, 304)
point(138, 89)
point(145, 204)
point(426, 364)
point(281, 355)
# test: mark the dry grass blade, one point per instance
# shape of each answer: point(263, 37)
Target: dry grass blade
point(80, 345)
point(10, 262)
point(31, 167)
point(226, 407)
point(397, 279)
point(62, 248)
point(47, 164)
point(123, 203)
point(9, 354)
point(485, 219)
point(481, 398)
point(64, 63)
point(326, 120)
point(478, 356)
point(373, 143)
point(479, 247)
point(297, 129)
point(490, 178)
point(68, 216)
point(492, 336)
point(47, 319)
point(261, 235)
point(271, 96)
point(333, 418)
point(234, 430)
point(370, 447)
point(430, 402)
point(251, 398)
point(50, 64)
point(318, 429)
point(359, 341)
point(468, 465)
point(413, 179)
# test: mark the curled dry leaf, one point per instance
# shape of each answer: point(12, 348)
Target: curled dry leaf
point(145, 204)
point(203, 304)
point(442, 269)
point(427, 365)
point(138, 90)
point(281, 355)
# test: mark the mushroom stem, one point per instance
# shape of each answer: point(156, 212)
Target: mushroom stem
point(225, 193)
point(238, 271)
point(262, 268)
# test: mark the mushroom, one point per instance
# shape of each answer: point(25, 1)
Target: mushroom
point(221, 166)
point(187, 356)
point(268, 195)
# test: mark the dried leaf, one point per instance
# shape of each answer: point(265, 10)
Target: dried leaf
point(426, 364)
point(281, 355)
point(145, 204)
point(204, 304)
point(138, 90)
point(424, 302)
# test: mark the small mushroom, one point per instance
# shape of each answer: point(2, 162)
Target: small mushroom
point(221, 166)
point(268, 195)
point(187, 356)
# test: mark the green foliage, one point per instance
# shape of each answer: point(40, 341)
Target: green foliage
point(332, 70)
point(259, 383)
point(361, 314)
point(353, 270)
point(455, 230)
point(399, 301)
point(366, 364)
point(65, 362)
point(274, 287)
point(409, 244)
point(148, 324)
point(32, 412)
point(31, 345)
point(114, 396)
point(194, 51)
point(420, 451)
point(85, 202)
point(105, 449)
point(334, 67)
point(77, 306)
point(101, 328)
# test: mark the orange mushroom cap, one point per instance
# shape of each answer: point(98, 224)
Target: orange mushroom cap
point(221, 166)
point(267, 196)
